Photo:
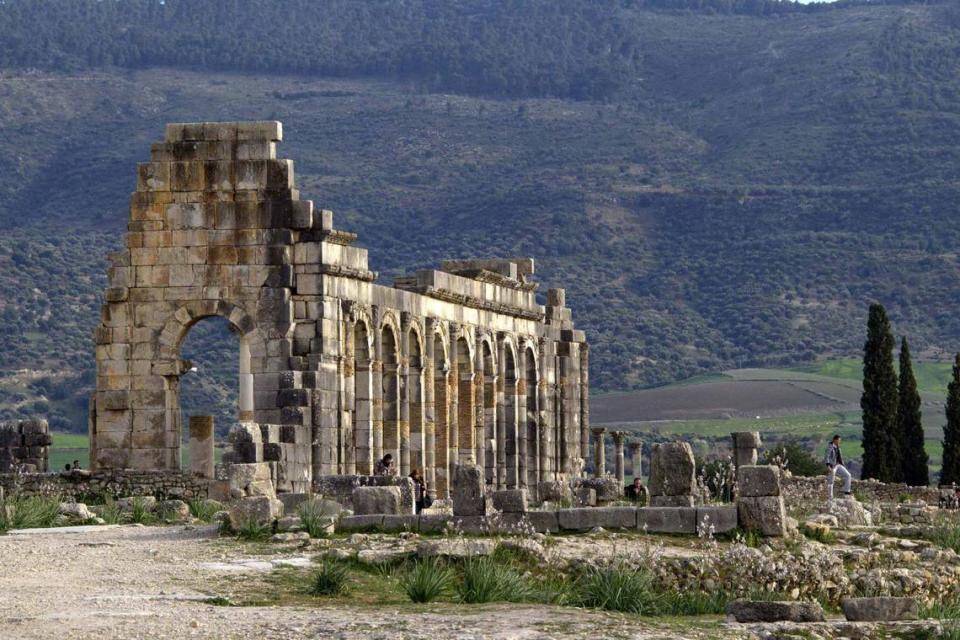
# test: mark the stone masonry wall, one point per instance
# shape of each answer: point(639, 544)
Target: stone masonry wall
point(24, 444)
point(114, 483)
point(802, 488)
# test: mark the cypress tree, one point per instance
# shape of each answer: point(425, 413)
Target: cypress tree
point(909, 426)
point(879, 400)
point(951, 433)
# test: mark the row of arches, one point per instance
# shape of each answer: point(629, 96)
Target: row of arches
point(439, 396)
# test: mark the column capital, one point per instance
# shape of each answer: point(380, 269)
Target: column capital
point(634, 446)
point(618, 437)
point(598, 431)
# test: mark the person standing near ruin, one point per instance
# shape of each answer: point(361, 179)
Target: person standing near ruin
point(384, 466)
point(834, 461)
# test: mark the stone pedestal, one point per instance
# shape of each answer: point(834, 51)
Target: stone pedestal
point(672, 475)
point(618, 440)
point(599, 452)
point(201, 446)
point(636, 459)
point(745, 445)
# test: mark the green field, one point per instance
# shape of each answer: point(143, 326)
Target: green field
point(932, 377)
point(68, 447)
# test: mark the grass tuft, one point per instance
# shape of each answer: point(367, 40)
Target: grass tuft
point(619, 588)
point(484, 580)
point(32, 513)
point(428, 580)
point(204, 508)
point(329, 580)
point(253, 531)
point(314, 517)
point(139, 514)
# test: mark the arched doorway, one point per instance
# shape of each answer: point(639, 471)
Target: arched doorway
point(441, 416)
point(362, 413)
point(533, 419)
point(489, 415)
point(509, 420)
point(415, 402)
point(465, 404)
point(391, 396)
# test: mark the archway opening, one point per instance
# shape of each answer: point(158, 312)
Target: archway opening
point(533, 420)
point(511, 446)
point(416, 435)
point(362, 414)
point(489, 441)
point(465, 404)
point(218, 382)
point(391, 398)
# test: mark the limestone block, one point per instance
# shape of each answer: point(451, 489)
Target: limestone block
point(543, 521)
point(746, 439)
point(606, 517)
point(468, 491)
point(174, 511)
point(260, 509)
point(147, 503)
point(552, 491)
point(671, 501)
point(376, 500)
point(585, 497)
point(758, 481)
point(721, 518)
point(672, 470)
point(880, 609)
point(764, 611)
point(764, 514)
point(667, 519)
point(400, 523)
point(608, 488)
point(510, 500)
point(349, 524)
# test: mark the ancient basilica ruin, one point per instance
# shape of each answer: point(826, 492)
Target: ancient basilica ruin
point(448, 366)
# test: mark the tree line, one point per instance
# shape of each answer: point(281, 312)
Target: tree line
point(893, 439)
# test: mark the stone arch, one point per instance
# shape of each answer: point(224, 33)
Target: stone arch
point(362, 343)
point(512, 445)
point(415, 399)
point(441, 410)
point(465, 435)
point(156, 418)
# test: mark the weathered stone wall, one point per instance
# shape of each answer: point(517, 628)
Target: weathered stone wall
point(797, 488)
point(84, 485)
point(457, 365)
point(24, 445)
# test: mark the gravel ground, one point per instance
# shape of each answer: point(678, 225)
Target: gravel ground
point(153, 582)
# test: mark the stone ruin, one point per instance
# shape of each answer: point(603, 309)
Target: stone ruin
point(456, 365)
point(24, 446)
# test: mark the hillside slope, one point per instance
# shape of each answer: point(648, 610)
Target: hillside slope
point(738, 197)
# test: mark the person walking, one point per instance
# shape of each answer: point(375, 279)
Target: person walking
point(834, 461)
point(421, 497)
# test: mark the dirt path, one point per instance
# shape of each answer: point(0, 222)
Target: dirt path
point(153, 582)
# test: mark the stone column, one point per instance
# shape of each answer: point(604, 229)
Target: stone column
point(599, 453)
point(501, 399)
point(453, 396)
point(618, 437)
point(429, 411)
point(745, 445)
point(584, 401)
point(403, 371)
point(376, 389)
point(636, 459)
point(201, 446)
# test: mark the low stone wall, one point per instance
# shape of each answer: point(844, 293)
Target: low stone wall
point(815, 488)
point(24, 445)
point(679, 520)
point(86, 485)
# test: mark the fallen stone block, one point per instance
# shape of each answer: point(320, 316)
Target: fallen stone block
point(667, 519)
point(766, 515)
point(722, 518)
point(608, 488)
point(672, 501)
point(758, 481)
point(381, 556)
point(456, 548)
point(510, 500)
point(543, 521)
point(174, 510)
point(293, 500)
point(435, 523)
point(147, 503)
point(880, 609)
point(760, 611)
point(259, 509)
point(76, 510)
point(552, 491)
point(374, 500)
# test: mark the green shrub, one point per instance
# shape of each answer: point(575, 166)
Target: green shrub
point(946, 536)
point(204, 508)
point(428, 580)
point(110, 512)
point(314, 517)
point(33, 512)
point(253, 531)
point(139, 514)
point(619, 588)
point(329, 580)
point(4, 520)
point(484, 580)
point(944, 609)
point(795, 458)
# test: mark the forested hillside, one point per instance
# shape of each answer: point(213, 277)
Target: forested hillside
point(716, 182)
